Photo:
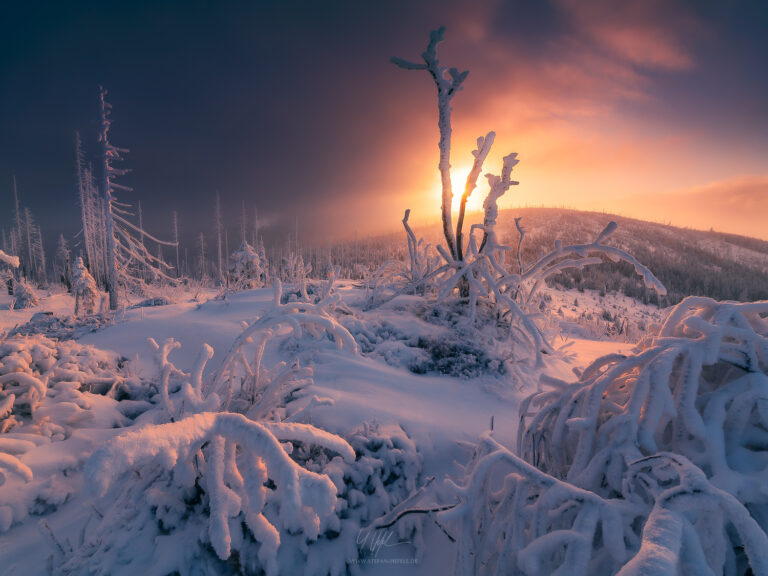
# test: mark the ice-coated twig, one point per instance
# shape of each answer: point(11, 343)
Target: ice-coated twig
point(480, 153)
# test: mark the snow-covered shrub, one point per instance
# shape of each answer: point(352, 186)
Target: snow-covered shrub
point(188, 387)
point(246, 269)
point(48, 390)
point(25, 296)
point(84, 289)
point(698, 389)
point(386, 472)
point(230, 495)
point(512, 518)
point(228, 473)
point(649, 464)
point(475, 269)
point(58, 327)
point(244, 380)
point(153, 302)
point(457, 357)
point(46, 380)
point(395, 277)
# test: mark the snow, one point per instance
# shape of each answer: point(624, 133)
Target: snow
point(98, 433)
point(11, 261)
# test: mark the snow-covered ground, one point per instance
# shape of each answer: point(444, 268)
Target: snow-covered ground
point(435, 410)
point(408, 384)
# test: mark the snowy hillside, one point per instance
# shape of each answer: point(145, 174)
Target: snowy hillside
point(688, 262)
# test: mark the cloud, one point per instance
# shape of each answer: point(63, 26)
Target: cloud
point(648, 33)
point(738, 205)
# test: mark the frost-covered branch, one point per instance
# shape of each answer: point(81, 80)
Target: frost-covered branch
point(577, 256)
point(448, 82)
point(480, 153)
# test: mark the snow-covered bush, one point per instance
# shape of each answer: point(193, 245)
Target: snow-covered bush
point(59, 327)
point(230, 495)
point(649, 464)
point(386, 472)
point(84, 289)
point(512, 518)
point(48, 390)
point(246, 269)
point(43, 374)
point(227, 460)
point(242, 378)
point(395, 277)
point(475, 268)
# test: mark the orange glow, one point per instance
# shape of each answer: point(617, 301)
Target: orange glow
point(591, 125)
point(458, 181)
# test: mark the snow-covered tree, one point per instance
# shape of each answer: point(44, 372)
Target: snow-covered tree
point(26, 241)
point(475, 268)
point(449, 82)
point(202, 247)
point(126, 255)
point(84, 289)
point(246, 269)
point(8, 264)
point(25, 295)
point(63, 261)
point(92, 213)
point(175, 224)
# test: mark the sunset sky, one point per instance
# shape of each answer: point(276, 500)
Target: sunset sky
point(657, 110)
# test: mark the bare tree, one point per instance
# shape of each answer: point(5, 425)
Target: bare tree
point(217, 217)
point(176, 241)
point(125, 253)
point(448, 82)
point(63, 255)
point(201, 255)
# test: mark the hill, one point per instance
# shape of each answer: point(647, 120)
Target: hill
point(689, 262)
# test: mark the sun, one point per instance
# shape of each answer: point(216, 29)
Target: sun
point(458, 182)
